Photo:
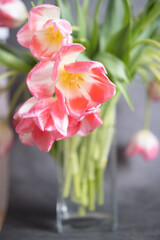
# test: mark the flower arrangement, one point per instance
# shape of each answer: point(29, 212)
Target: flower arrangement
point(70, 108)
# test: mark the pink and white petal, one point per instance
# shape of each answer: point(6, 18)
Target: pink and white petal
point(24, 110)
point(27, 139)
point(77, 105)
point(41, 112)
point(70, 132)
point(61, 99)
point(99, 92)
point(25, 125)
point(66, 41)
point(43, 48)
point(49, 116)
point(44, 140)
point(39, 80)
point(6, 20)
point(60, 118)
point(24, 36)
point(152, 153)
point(62, 25)
point(84, 67)
point(70, 52)
point(40, 14)
point(89, 123)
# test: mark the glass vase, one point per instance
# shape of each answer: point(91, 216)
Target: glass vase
point(87, 185)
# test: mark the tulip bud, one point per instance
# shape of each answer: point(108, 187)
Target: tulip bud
point(13, 13)
point(154, 90)
point(144, 143)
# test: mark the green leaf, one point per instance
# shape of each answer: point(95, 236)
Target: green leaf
point(147, 16)
point(138, 52)
point(95, 29)
point(65, 10)
point(24, 55)
point(10, 61)
point(146, 41)
point(119, 44)
point(116, 17)
point(85, 7)
point(124, 91)
point(114, 66)
point(80, 20)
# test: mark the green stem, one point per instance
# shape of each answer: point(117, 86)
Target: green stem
point(91, 195)
point(67, 169)
point(81, 211)
point(15, 98)
point(7, 74)
point(147, 115)
point(10, 83)
point(100, 187)
point(76, 176)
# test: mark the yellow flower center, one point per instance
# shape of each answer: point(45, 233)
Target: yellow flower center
point(70, 81)
point(53, 36)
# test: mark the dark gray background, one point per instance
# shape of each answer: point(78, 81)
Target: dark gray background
point(31, 213)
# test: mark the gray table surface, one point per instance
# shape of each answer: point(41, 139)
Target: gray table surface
point(31, 213)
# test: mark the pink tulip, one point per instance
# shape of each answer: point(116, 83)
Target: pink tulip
point(44, 33)
point(13, 13)
point(145, 144)
point(154, 90)
point(42, 122)
point(6, 139)
point(78, 85)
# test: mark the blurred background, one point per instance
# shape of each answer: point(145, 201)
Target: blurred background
point(33, 175)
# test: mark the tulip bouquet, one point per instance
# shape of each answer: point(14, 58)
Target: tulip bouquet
point(70, 103)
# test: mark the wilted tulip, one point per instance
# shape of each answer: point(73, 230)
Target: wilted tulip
point(144, 143)
point(154, 90)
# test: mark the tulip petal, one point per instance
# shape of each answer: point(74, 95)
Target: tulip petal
point(144, 143)
point(24, 110)
point(39, 15)
point(89, 123)
point(12, 13)
point(24, 36)
point(25, 125)
point(77, 106)
point(84, 66)
point(49, 116)
point(27, 139)
point(62, 25)
point(100, 92)
point(39, 80)
point(44, 140)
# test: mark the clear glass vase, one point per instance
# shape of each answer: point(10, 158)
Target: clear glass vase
point(86, 202)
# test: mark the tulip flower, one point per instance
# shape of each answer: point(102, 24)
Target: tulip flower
point(6, 139)
point(40, 122)
point(13, 13)
point(79, 86)
point(44, 33)
point(43, 122)
point(145, 144)
point(154, 90)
